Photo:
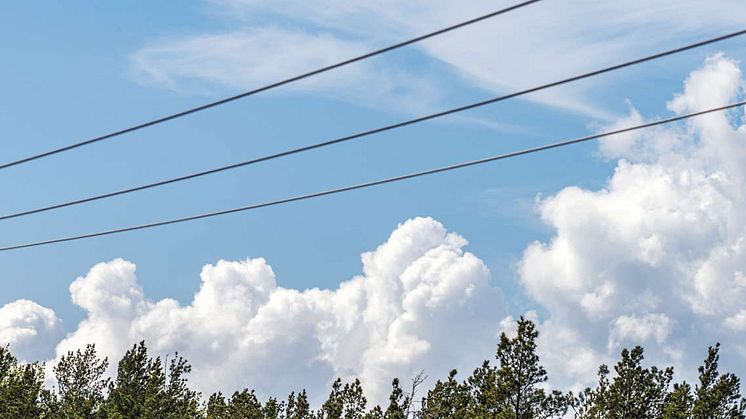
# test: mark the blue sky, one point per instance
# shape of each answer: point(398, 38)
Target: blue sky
point(67, 77)
point(77, 69)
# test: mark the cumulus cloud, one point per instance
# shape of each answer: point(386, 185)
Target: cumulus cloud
point(505, 53)
point(653, 327)
point(657, 256)
point(737, 321)
point(422, 302)
point(29, 329)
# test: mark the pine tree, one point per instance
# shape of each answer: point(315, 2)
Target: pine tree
point(375, 413)
point(333, 407)
point(345, 402)
point(244, 405)
point(484, 400)
point(127, 393)
point(81, 383)
point(302, 406)
point(398, 402)
point(678, 402)
point(21, 387)
point(635, 392)
point(354, 401)
point(149, 388)
point(717, 397)
point(272, 409)
point(216, 407)
point(178, 399)
point(298, 407)
point(448, 399)
point(518, 377)
point(143, 389)
point(155, 382)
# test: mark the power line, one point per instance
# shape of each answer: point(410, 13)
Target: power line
point(372, 131)
point(375, 182)
point(267, 87)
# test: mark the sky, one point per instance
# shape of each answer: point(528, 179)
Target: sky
point(634, 239)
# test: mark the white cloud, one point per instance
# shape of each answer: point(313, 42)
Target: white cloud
point(650, 327)
point(255, 57)
point(421, 303)
point(657, 256)
point(737, 321)
point(30, 329)
point(538, 44)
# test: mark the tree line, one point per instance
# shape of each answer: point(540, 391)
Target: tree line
point(513, 388)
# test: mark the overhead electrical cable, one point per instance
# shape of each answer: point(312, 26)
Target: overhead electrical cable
point(375, 182)
point(265, 88)
point(371, 131)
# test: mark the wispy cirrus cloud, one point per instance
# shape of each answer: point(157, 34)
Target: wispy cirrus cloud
point(239, 60)
point(534, 45)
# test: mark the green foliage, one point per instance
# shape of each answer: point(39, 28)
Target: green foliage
point(272, 409)
point(638, 392)
point(144, 389)
point(716, 396)
point(129, 391)
point(298, 407)
point(375, 413)
point(484, 395)
point(149, 388)
point(344, 403)
point(678, 402)
point(509, 391)
point(177, 400)
point(21, 387)
point(244, 404)
point(519, 375)
point(216, 407)
point(398, 402)
point(448, 399)
point(80, 384)
point(635, 392)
